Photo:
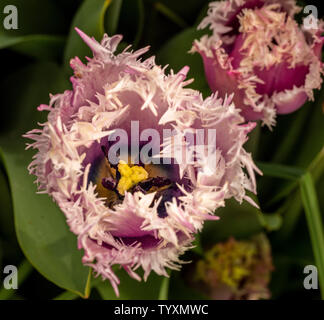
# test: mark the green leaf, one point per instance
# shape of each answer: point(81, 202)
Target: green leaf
point(130, 288)
point(291, 215)
point(8, 238)
point(24, 270)
point(237, 220)
point(6, 214)
point(188, 11)
point(113, 16)
point(291, 134)
point(131, 21)
point(202, 14)
point(197, 245)
point(312, 139)
point(280, 171)
point(24, 90)
point(37, 45)
point(180, 290)
point(175, 54)
point(171, 15)
point(292, 207)
point(1, 254)
point(315, 224)
point(67, 295)
point(41, 227)
point(316, 168)
point(35, 17)
point(38, 34)
point(140, 24)
point(254, 138)
point(90, 19)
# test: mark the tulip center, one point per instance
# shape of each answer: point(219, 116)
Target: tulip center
point(114, 180)
point(130, 176)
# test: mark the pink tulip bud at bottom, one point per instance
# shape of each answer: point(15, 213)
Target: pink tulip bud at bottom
point(234, 270)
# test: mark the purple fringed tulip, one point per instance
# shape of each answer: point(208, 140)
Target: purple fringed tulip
point(258, 52)
point(143, 215)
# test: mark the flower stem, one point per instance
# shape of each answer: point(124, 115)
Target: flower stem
point(164, 289)
point(315, 225)
point(316, 168)
point(280, 171)
point(294, 202)
point(291, 136)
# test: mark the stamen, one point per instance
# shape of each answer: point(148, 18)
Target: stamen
point(135, 178)
point(109, 183)
point(157, 182)
point(167, 195)
point(130, 176)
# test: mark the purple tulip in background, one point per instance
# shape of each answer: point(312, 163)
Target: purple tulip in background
point(259, 52)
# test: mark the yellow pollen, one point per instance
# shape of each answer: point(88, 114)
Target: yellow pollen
point(130, 176)
point(230, 262)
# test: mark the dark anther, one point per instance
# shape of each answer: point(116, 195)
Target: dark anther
point(118, 176)
point(274, 41)
point(139, 188)
point(158, 182)
point(144, 186)
point(104, 151)
point(167, 196)
point(109, 183)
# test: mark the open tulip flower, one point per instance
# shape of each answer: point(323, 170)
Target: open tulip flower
point(126, 210)
point(258, 51)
